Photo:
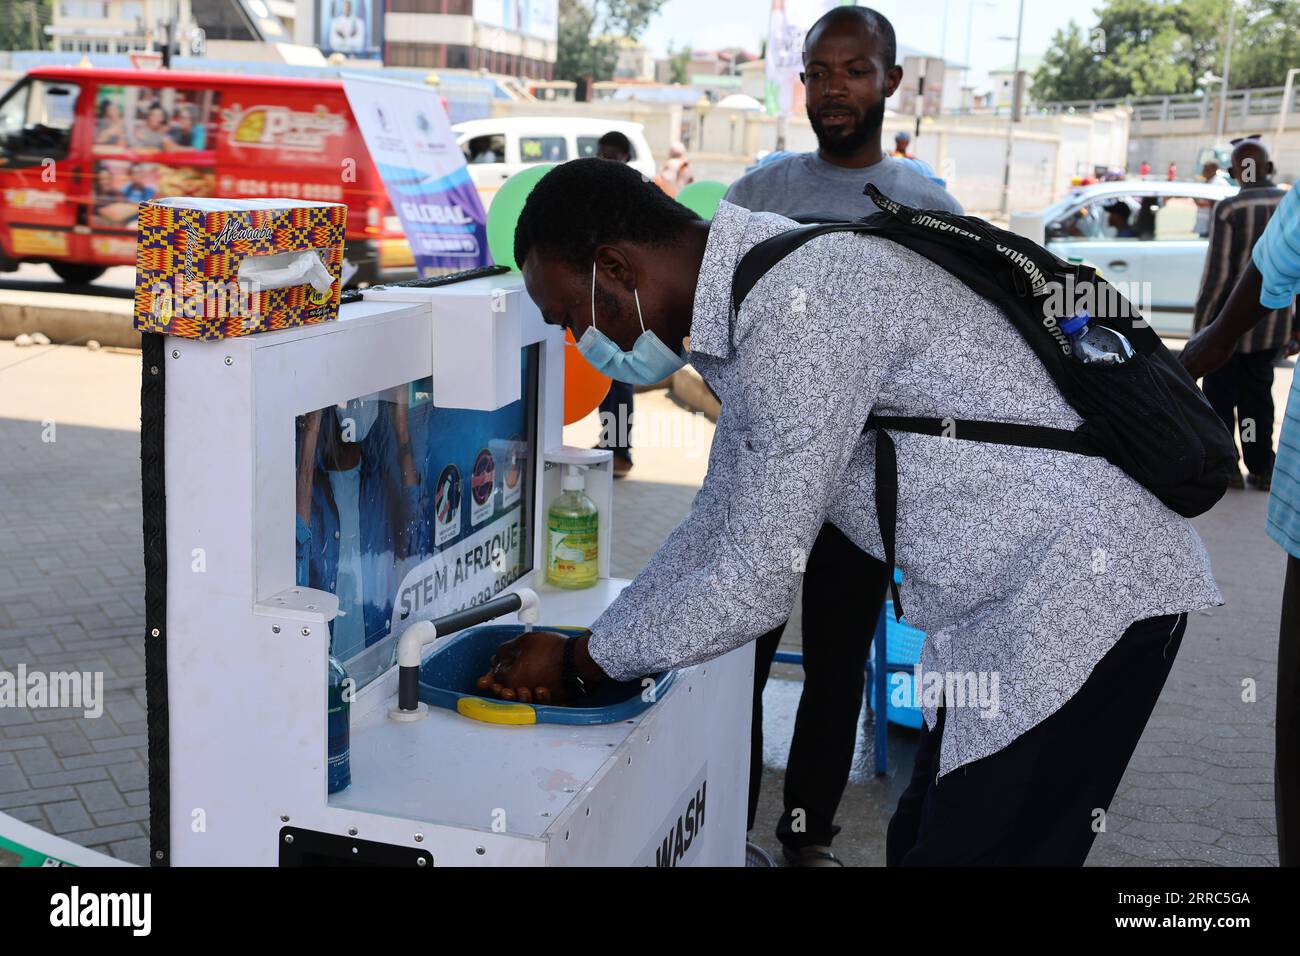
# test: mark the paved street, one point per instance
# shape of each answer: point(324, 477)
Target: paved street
point(1199, 790)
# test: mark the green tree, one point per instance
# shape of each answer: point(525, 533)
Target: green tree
point(1267, 43)
point(22, 24)
point(1159, 47)
point(1068, 70)
point(679, 62)
point(587, 40)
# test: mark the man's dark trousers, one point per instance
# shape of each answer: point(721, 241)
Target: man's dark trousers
point(843, 589)
point(1245, 387)
point(618, 402)
point(1286, 778)
point(1040, 800)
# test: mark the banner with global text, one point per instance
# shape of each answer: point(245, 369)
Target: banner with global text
point(409, 136)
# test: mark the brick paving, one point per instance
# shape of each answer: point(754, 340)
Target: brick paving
point(1198, 791)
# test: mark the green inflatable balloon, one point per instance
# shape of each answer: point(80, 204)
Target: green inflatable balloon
point(503, 216)
point(702, 198)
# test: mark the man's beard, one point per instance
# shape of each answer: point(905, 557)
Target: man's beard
point(846, 140)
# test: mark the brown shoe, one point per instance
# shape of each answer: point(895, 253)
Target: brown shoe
point(622, 466)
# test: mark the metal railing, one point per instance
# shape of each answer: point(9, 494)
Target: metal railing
point(1241, 104)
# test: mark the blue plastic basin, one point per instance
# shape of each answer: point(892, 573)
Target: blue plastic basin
point(448, 678)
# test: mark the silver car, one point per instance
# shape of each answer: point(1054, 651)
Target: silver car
point(1147, 237)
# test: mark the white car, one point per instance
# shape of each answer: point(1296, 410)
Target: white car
point(1156, 257)
point(496, 149)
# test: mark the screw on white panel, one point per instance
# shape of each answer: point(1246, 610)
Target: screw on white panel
point(419, 838)
point(352, 831)
point(306, 632)
point(229, 360)
point(284, 818)
point(176, 353)
point(480, 850)
point(275, 628)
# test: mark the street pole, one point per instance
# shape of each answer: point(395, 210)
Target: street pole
point(1227, 65)
point(943, 46)
point(1286, 104)
point(1011, 121)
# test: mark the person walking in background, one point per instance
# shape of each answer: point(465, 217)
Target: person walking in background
point(616, 406)
point(1145, 169)
point(1270, 282)
point(849, 72)
point(902, 140)
point(676, 172)
point(1210, 173)
point(1242, 390)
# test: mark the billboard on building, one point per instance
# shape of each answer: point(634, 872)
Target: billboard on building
point(532, 18)
point(354, 28)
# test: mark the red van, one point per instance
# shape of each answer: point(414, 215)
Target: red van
point(80, 148)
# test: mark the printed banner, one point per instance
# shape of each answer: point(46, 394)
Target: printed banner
point(410, 139)
point(787, 23)
point(473, 571)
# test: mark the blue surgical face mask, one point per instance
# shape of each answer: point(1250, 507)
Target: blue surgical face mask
point(650, 361)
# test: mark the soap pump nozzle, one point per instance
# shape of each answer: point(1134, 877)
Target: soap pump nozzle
point(574, 478)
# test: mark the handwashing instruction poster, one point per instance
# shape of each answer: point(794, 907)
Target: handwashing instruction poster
point(408, 511)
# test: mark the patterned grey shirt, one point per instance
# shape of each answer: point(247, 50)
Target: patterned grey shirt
point(1023, 566)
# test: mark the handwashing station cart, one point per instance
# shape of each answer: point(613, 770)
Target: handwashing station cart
point(375, 489)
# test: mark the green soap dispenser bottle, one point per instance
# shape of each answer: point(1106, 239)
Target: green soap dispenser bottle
point(572, 534)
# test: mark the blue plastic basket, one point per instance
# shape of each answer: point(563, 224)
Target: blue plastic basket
point(902, 654)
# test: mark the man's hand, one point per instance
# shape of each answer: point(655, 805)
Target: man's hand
point(529, 669)
point(1204, 353)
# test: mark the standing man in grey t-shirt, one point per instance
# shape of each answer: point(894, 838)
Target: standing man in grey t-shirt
point(849, 72)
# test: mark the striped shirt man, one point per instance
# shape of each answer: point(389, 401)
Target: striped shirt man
point(1236, 226)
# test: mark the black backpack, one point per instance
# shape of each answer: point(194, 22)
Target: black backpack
point(1146, 416)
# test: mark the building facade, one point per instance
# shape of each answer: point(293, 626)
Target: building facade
point(112, 26)
point(512, 37)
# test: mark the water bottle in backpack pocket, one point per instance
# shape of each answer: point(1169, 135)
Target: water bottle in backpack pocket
point(1095, 344)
